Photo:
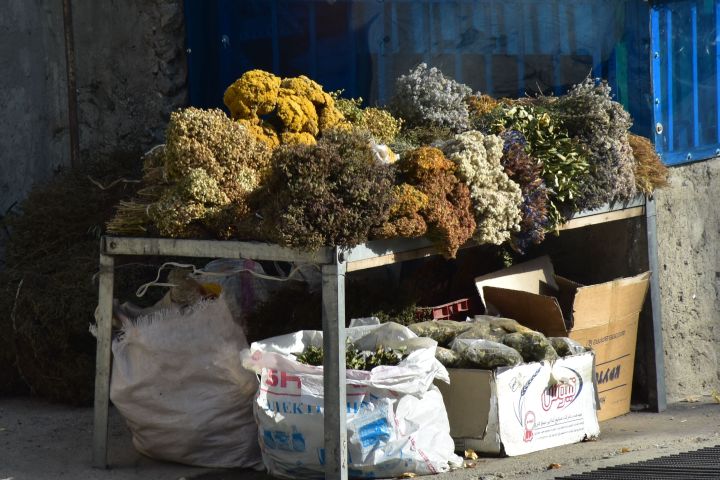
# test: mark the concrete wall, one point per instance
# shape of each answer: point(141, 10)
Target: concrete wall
point(33, 94)
point(688, 217)
point(131, 73)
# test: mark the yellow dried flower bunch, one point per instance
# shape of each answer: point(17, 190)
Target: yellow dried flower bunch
point(382, 126)
point(282, 111)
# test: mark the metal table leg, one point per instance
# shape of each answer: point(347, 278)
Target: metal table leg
point(333, 319)
point(103, 359)
point(656, 368)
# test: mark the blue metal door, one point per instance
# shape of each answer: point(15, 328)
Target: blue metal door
point(686, 79)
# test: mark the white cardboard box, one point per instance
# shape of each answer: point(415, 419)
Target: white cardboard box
point(522, 409)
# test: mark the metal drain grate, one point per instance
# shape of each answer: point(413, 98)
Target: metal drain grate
point(697, 465)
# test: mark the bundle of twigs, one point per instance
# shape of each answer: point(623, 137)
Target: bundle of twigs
point(650, 172)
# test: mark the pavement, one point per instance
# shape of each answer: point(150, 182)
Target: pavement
point(40, 440)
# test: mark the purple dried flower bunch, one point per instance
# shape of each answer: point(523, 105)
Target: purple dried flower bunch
point(526, 171)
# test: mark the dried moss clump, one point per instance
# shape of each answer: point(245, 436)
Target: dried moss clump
point(601, 124)
point(650, 172)
point(526, 171)
point(495, 198)
point(427, 98)
point(282, 111)
point(331, 193)
point(198, 184)
point(449, 211)
point(53, 249)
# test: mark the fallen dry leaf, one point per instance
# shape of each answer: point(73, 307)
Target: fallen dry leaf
point(469, 464)
point(554, 466)
point(407, 475)
point(691, 399)
point(470, 454)
point(624, 450)
point(716, 396)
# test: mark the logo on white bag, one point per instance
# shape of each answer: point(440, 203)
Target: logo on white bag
point(282, 379)
point(562, 394)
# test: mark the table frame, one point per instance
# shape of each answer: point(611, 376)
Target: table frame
point(334, 264)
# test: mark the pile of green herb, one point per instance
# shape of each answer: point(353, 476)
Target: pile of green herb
point(355, 359)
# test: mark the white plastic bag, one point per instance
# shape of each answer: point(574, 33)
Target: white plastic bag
point(396, 418)
point(485, 354)
point(178, 381)
point(243, 291)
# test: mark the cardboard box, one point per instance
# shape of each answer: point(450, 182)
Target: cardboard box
point(603, 317)
point(522, 409)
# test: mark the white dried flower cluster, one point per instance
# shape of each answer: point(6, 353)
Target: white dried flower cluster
point(425, 97)
point(496, 199)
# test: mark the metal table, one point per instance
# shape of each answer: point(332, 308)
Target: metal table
point(334, 263)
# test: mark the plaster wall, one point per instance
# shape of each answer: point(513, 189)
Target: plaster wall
point(33, 97)
point(131, 73)
point(688, 224)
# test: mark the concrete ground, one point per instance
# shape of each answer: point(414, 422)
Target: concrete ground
point(41, 441)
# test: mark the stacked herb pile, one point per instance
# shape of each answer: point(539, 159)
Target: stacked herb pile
point(304, 168)
point(489, 342)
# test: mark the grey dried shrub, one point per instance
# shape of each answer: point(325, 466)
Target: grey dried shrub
point(589, 114)
point(427, 98)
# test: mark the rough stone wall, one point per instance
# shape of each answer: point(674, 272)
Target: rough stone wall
point(33, 97)
point(131, 72)
point(688, 218)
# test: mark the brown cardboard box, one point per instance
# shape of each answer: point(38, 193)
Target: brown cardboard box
point(603, 317)
point(522, 409)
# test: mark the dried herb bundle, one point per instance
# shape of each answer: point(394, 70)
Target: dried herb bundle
point(590, 115)
point(47, 296)
point(564, 166)
point(494, 196)
point(355, 359)
point(404, 217)
point(449, 211)
point(198, 184)
point(427, 98)
point(331, 193)
point(289, 110)
point(650, 172)
point(527, 172)
point(380, 123)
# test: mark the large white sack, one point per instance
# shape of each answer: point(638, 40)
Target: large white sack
point(178, 381)
point(396, 418)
